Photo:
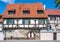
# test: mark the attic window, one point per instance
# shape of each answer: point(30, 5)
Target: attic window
point(26, 12)
point(40, 11)
point(11, 11)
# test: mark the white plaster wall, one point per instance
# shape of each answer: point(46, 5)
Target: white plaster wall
point(59, 21)
point(5, 22)
point(37, 21)
point(46, 36)
point(1, 33)
point(14, 25)
point(5, 25)
point(56, 21)
point(1, 36)
point(58, 27)
point(15, 21)
point(17, 33)
point(51, 21)
point(21, 25)
point(48, 18)
point(20, 21)
point(57, 18)
point(0, 27)
point(58, 36)
point(32, 21)
point(45, 22)
point(10, 25)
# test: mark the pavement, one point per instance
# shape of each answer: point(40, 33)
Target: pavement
point(30, 41)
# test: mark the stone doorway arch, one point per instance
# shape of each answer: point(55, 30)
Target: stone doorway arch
point(31, 35)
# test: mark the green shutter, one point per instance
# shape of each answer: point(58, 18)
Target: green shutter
point(43, 21)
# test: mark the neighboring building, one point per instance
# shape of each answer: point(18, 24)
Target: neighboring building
point(54, 19)
point(24, 21)
point(1, 29)
point(53, 29)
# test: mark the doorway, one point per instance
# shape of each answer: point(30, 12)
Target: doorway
point(54, 36)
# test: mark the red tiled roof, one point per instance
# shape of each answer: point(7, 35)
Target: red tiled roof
point(53, 12)
point(20, 7)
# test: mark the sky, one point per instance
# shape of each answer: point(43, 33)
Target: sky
point(50, 4)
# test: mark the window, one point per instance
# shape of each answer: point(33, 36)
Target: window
point(40, 12)
point(11, 11)
point(41, 21)
point(10, 21)
point(26, 21)
point(52, 18)
point(48, 27)
point(26, 12)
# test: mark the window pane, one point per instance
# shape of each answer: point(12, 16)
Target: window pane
point(11, 12)
point(40, 11)
point(26, 12)
point(41, 21)
point(25, 21)
point(52, 17)
point(10, 21)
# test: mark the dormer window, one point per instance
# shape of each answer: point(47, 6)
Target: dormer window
point(40, 11)
point(11, 11)
point(26, 12)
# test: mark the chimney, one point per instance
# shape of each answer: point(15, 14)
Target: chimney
point(44, 6)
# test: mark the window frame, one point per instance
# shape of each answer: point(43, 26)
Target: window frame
point(26, 11)
point(52, 17)
point(24, 21)
point(11, 12)
point(41, 21)
point(40, 11)
point(9, 21)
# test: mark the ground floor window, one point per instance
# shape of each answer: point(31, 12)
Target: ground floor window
point(10, 21)
point(42, 21)
point(26, 21)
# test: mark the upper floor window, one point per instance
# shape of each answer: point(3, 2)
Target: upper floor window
point(25, 21)
point(26, 12)
point(10, 21)
point(52, 17)
point(11, 11)
point(40, 11)
point(41, 21)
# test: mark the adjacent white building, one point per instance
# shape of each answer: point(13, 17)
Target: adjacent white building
point(53, 26)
